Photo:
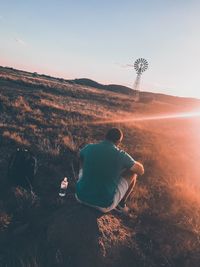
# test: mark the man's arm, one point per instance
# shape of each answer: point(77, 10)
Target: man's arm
point(130, 165)
point(137, 168)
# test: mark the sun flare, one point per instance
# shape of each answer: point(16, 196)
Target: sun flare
point(130, 119)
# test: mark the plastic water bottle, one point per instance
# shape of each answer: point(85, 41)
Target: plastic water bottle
point(63, 187)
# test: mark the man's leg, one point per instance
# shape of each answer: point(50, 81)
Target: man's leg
point(131, 181)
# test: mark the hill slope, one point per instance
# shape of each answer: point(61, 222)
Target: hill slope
point(54, 118)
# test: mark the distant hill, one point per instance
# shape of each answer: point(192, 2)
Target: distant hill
point(111, 87)
point(145, 96)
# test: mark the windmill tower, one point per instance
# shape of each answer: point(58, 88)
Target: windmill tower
point(140, 66)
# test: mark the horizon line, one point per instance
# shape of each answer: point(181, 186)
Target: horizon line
point(61, 77)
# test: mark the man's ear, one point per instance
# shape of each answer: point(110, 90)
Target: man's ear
point(117, 143)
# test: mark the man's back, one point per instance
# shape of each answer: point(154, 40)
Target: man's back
point(103, 164)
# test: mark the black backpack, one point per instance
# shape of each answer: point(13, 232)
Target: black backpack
point(22, 168)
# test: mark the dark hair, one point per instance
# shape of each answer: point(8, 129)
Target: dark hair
point(114, 135)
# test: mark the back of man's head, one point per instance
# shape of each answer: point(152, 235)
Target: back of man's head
point(114, 135)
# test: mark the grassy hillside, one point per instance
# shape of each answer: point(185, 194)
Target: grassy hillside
point(54, 118)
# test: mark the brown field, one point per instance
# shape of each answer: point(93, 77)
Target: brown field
point(54, 118)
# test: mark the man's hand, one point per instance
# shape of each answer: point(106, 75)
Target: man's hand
point(137, 168)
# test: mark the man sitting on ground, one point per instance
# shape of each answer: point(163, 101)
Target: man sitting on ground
point(108, 174)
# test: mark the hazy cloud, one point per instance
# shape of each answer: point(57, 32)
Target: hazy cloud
point(124, 66)
point(11, 34)
point(20, 41)
point(127, 66)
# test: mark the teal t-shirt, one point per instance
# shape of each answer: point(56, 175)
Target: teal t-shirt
point(103, 164)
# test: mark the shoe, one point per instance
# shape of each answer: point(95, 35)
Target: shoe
point(123, 209)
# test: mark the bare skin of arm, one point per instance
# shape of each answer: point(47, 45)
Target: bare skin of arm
point(137, 168)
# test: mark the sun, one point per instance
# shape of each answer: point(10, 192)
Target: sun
point(190, 114)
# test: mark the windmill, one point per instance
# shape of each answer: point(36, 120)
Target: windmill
point(140, 66)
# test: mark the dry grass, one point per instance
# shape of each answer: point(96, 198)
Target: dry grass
point(55, 118)
point(16, 137)
point(22, 104)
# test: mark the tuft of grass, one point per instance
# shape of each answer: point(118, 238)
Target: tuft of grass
point(5, 220)
point(22, 104)
point(16, 137)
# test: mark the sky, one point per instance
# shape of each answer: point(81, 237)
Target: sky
point(100, 39)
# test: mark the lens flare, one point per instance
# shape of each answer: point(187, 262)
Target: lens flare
point(138, 118)
point(149, 118)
